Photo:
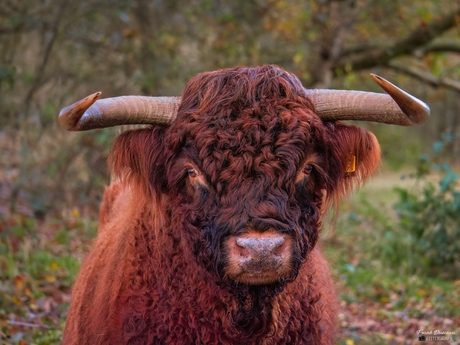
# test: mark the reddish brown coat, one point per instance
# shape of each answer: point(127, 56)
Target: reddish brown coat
point(157, 273)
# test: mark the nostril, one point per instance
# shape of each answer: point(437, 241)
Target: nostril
point(259, 257)
point(260, 244)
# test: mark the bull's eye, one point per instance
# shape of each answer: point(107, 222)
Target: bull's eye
point(192, 172)
point(308, 169)
point(303, 175)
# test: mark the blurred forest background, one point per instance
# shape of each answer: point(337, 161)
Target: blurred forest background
point(53, 53)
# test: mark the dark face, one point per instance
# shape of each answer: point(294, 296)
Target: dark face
point(250, 193)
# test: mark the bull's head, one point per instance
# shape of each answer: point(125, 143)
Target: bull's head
point(247, 160)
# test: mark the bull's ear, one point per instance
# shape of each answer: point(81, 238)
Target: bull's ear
point(355, 155)
point(137, 157)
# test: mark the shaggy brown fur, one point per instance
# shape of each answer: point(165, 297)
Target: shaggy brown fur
point(235, 158)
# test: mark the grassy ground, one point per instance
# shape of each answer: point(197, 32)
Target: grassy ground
point(380, 303)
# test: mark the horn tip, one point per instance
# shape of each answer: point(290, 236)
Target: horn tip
point(416, 110)
point(377, 78)
point(93, 97)
point(69, 116)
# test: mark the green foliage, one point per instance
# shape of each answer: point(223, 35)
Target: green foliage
point(38, 265)
point(421, 234)
point(430, 215)
point(383, 284)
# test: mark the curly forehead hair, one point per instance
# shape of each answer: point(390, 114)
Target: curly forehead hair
point(244, 112)
point(242, 87)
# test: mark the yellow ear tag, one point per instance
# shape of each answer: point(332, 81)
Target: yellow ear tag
point(351, 164)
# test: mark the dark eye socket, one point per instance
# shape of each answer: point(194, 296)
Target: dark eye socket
point(308, 169)
point(192, 172)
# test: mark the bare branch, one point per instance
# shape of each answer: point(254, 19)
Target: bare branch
point(424, 76)
point(47, 53)
point(421, 36)
point(333, 40)
point(450, 46)
point(362, 48)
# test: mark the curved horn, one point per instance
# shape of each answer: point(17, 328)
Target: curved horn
point(397, 108)
point(90, 113)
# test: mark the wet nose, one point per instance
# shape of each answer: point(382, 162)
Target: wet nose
point(260, 246)
point(259, 258)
